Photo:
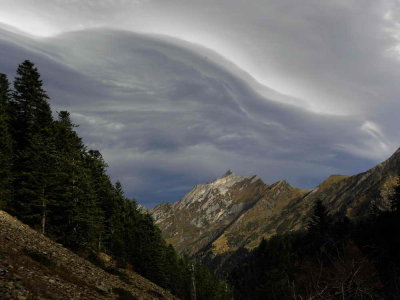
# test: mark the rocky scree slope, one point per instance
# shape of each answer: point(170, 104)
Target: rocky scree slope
point(34, 267)
point(235, 211)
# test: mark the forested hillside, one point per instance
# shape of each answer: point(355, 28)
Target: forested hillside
point(52, 182)
point(332, 258)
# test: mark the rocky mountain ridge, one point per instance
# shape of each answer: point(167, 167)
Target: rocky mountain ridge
point(212, 206)
point(234, 211)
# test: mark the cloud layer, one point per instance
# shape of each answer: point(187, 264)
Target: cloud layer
point(337, 56)
point(167, 114)
point(180, 91)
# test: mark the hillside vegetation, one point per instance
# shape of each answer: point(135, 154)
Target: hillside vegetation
point(53, 183)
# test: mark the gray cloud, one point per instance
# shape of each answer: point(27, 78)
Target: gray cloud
point(331, 56)
point(167, 114)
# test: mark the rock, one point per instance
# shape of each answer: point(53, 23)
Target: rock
point(104, 257)
point(3, 272)
point(102, 288)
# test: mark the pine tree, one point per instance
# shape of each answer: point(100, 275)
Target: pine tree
point(118, 219)
point(319, 221)
point(5, 143)
point(33, 136)
point(32, 111)
point(152, 250)
point(81, 205)
point(72, 184)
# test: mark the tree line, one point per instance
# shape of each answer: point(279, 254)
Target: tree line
point(52, 182)
point(333, 258)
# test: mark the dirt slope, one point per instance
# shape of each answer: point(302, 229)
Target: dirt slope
point(34, 267)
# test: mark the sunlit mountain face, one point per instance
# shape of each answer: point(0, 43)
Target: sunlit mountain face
point(171, 106)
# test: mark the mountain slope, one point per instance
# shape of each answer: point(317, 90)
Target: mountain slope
point(269, 209)
point(193, 222)
point(32, 265)
point(260, 219)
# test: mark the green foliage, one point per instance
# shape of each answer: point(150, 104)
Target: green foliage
point(51, 181)
point(319, 220)
point(334, 259)
point(266, 271)
point(5, 143)
point(32, 130)
point(208, 286)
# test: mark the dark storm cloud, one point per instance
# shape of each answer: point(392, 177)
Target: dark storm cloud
point(166, 118)
point(167, 114)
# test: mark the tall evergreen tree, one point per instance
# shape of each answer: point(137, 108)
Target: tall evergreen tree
point(32, 111)
point(5, 143)
point(33, 136)
point(319, 220)
point(72, 188)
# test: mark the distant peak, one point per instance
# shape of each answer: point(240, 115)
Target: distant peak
point(280, 184)
point(228, 173)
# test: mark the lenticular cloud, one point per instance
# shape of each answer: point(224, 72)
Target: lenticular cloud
point(167, 114)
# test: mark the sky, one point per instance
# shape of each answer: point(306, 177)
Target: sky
point(175, 92)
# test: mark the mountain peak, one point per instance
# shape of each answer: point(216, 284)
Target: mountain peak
point(235, 211)
point(228, 173)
